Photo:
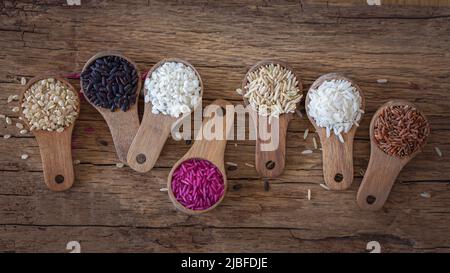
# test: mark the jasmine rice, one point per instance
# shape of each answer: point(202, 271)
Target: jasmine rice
point(336, 106)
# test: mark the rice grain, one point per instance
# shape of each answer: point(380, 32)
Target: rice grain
point(400, 130)
point(438, 151)
point(305, 134)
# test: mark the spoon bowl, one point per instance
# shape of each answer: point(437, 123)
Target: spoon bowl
point(211, 150)
point(122, 125)
point(383, 168)
point(337, 156)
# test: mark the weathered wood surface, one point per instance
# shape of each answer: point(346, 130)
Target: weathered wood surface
point(112, 209)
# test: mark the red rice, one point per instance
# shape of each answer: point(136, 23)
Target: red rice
point(400, 130)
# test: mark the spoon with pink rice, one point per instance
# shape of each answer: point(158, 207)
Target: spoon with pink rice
point(197, 182)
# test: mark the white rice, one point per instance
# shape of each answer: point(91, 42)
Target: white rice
point(438, 151)
point(305, 135)
point(336, 106)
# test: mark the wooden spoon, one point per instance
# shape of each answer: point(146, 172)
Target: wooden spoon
point(270, 162)
point(55, 148)
point(154, 130)
point(337, 156)
point(211, 150)
point(123, 125)
point(383, 169)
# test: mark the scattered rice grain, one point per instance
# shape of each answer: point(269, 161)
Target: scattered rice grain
point(309, 194)
point(249, 165)
point(231, 164)
point(324, 186)
point(23, 131)
point(382, 81)
point(23, 81)
point(76, 162)
point(305, 152)
point(438, 151)
point(305, 134)
point(19, 125)
point(315, 143)
point(6, 136)
point(425, 194)
point(8, 120)
point(24, 156)
point(164, 189)
point(120, 165)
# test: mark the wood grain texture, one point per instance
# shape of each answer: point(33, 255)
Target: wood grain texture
point(117, 209)
point(154, 129)
point(122, 125)
point(270, 146)
point(383, 169)
point(337, 157)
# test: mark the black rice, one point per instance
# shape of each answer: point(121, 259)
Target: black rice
point(110, 82)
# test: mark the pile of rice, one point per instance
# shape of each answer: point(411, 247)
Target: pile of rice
point(336, 106)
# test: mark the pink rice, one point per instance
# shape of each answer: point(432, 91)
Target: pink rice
point(197, 184)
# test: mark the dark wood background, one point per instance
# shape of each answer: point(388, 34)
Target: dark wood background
point(111, 209)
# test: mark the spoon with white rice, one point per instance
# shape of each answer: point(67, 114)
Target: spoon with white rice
point(335, 105)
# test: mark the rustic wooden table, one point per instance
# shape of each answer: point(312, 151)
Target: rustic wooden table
point(116, 209)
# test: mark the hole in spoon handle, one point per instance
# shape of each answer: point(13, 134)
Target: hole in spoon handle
point(378, 180)
point(56, 155)
point(59, 179)
point(270, 165)
point(271, 146)
point(338, 178)
point(141, 158)
point(149, 141)
point(337, 160)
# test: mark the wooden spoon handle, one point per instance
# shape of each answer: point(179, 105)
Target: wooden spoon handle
point(123, 127)
point(149, 141)
point(337, 160)
point(378, 180)
point(56, 155)
point(270, 145)
point(214, 149)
